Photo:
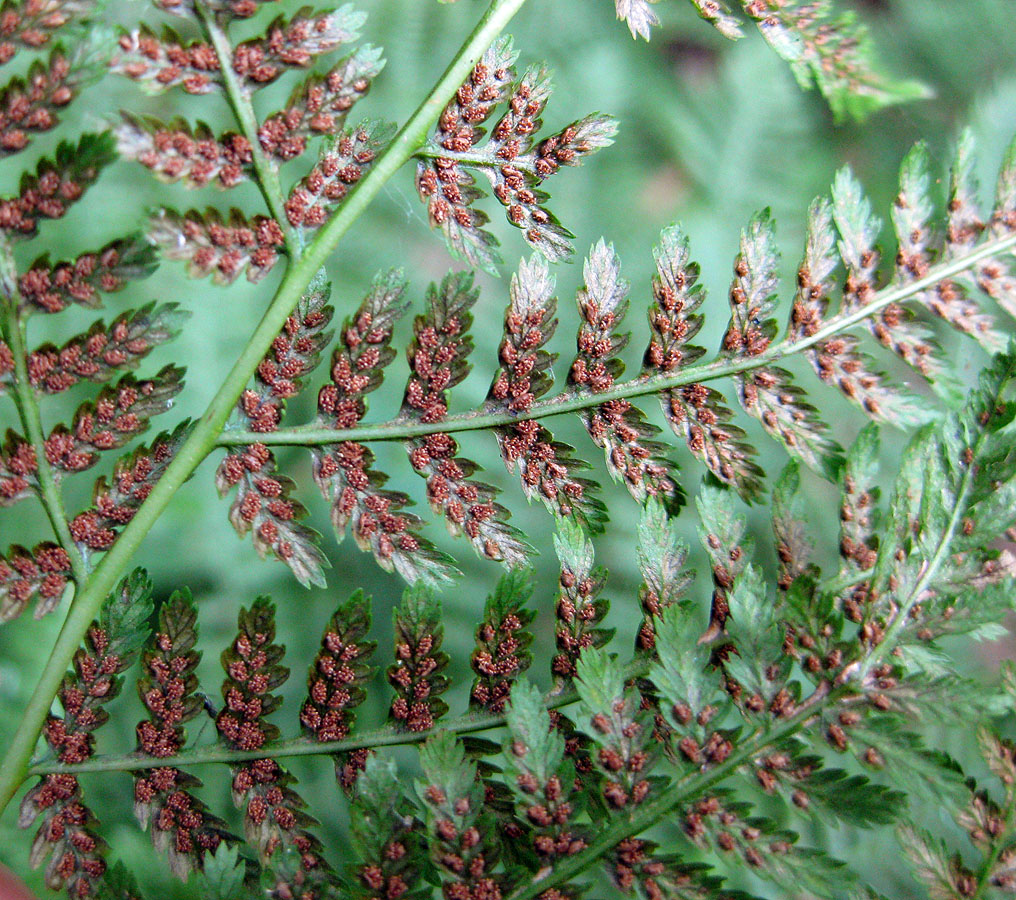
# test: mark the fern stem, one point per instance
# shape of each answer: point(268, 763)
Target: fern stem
point(301, 746)
point(640, 385)
point(239, 99)
point(682, 791)
point(204, 437)
point(27, 404)
point(488, 159)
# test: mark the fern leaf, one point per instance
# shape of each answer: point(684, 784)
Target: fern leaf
point(386, 837)
point(543, 787)
point(32, 105)
point(417, 676)
point(696, 412)
point(949, 479)
point(790, 531)
point(68, 832)
point(263, 504)
point(335, 683)
point(19, 469)
point(580, 609)
point(638, 15)
point(320, 105)
point(344, 471)
point(181, 825)
point(893, 326)
point(912, 213)
point(294, 43)
point(460, 832)
point(768, 392)
point(51, 287)
point(717, 14)
point(993, 276)
point(665, 580)
point(29, 26)
point(610, 716)
point(689, 691)
point(223, 249)
point(41, 572)
point(177, 151)
point(546, 466)
point(274, 821)
point(509, 160)
point(771, 853)
point(58, 183)
point(838, 360)
point(447, 188)
point(502, 642)
point(115, 504)
point(104, 349)
point(944, 876)
point(119, 413)
point(437, 360)
point(859, 514)
point(619, 427)
point(724, 535)
point(227, 9)
point(834, 51)
point(160, 62)
point(344, 160)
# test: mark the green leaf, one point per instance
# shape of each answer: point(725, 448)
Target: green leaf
point(682, 675)
point(854, 799)
point(662, 555)
point(753, 630)
point(529, 726)
point(125, 614)
point(600, 681)
point(222, 874)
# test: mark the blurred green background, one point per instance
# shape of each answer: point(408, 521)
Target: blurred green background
point(710, 132)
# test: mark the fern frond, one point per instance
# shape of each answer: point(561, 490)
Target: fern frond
point(336, 682)
point(546, 466)
point(344, 470)
point(116, 503)
point(320, 105)
point(437, 360)
point(68, 832)
point(417, 676)
point(502, 642)
point(263, 505)
point(343, 162)
point(104, 349)
point(181, 825)
point(50, 287)
point(220, 248)
point(386, 835)
point(580, 609)
point(619, 427)
point(274, 820)
point(32, 105)
point(511, 160)
point(41, 572)
point(177, 151)
point(460, 832)
point(696, 412)
point(118, 414)
point(58, 183)
point(32, 24)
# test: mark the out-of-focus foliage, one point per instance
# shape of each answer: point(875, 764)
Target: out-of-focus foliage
point(709, 132)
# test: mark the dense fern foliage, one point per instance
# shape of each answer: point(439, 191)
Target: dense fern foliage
point(696, 736)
